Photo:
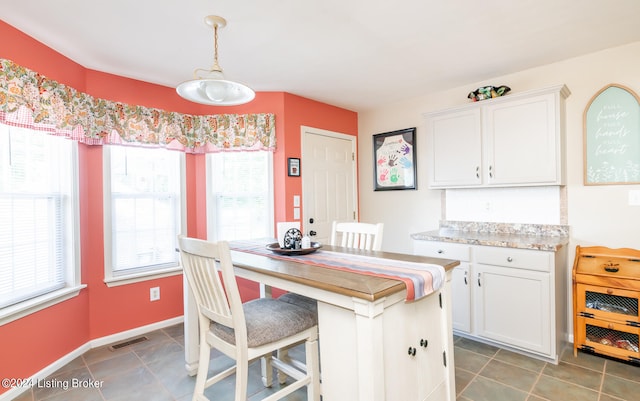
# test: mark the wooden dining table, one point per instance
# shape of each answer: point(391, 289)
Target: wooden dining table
point(372, 340)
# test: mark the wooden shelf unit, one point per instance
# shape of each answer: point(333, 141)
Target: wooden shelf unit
point(606, 297)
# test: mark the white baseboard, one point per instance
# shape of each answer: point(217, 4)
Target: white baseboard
point(123, 335)
point(95, 343)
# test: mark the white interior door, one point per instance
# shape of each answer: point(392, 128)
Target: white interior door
point(328, 181)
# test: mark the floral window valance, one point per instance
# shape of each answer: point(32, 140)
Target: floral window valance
point(29, 99)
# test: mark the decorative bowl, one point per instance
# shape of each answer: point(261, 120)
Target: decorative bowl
point(275, 248)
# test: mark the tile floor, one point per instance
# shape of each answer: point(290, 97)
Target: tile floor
point(154, 371)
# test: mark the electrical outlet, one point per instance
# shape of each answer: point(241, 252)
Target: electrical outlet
point(154, 293)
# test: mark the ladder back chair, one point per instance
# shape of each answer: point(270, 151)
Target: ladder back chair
point(357, 235)
point(245, 332)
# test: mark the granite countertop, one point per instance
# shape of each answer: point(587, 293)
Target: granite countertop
point(541, 237)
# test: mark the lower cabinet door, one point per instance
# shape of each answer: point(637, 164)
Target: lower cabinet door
point(512, 306)
point(414, 365)
point(461, 302)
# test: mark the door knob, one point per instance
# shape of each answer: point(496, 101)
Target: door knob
point(311, 220)
point(312, 233)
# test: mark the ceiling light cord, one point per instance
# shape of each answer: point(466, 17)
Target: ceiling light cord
point(216, 66)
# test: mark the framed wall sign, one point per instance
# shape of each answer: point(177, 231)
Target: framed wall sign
point(293, 167)
point(612, 137)
point(394, 158)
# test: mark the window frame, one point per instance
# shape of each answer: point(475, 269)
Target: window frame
point(73, 284)
point(166, 270)
point(210, 199)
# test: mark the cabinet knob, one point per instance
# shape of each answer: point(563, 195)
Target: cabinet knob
point(609, 291)
point(412, 351)
point(424, 343)
point(440, 251)
point(509, 259)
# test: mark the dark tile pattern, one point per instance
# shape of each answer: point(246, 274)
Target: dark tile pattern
point(488, 373)
point(154, 371)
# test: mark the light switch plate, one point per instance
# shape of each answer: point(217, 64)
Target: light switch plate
point(296, 213)
point(296, 200)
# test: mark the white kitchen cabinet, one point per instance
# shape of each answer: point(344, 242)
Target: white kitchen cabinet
point(456, 133)
point(415, 350)
point(460, 278)
point(513, 307)
point(506, 296)
point(461, 307)
point(515, 140)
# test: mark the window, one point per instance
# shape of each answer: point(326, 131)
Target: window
point(239, 195)
point(143, 212)
point(39, 251)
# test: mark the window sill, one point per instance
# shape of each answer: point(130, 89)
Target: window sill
point(146, 276)
point(15, 312)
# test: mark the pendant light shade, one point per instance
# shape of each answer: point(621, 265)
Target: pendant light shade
point(209, 86)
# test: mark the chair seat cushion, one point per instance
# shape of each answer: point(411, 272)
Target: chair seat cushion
point(300, 300)
point(269, 320)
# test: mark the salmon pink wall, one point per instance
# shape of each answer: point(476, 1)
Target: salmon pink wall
point(299, 112)
point(64, 324)
point(99, 311)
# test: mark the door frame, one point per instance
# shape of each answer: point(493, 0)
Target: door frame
point(306, 130)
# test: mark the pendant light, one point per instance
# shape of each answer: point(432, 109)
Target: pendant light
point(211, 88)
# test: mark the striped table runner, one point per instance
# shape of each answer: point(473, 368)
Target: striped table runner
point(421, 279)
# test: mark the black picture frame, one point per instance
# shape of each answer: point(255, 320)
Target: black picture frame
point(394, 160)
point(293, 167)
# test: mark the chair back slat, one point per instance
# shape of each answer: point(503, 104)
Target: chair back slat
point(204, 263)
point(357, 235)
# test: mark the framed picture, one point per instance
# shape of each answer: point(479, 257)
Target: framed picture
point(293, 167)
point(612, 137)
point(394, 158)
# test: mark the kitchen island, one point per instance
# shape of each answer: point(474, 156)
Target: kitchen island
point(375, 345)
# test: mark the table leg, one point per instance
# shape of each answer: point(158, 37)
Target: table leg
point(191, 337)
point(370, 356)
point(351, 351)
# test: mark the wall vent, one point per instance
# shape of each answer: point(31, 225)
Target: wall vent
point(127, 343)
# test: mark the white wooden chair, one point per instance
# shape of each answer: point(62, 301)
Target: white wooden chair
point(245, 332)
point(357, 235)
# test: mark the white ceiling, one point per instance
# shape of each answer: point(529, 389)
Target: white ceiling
point(356, 54)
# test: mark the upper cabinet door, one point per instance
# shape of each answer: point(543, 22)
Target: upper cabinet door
point(522, 142)
point(455, 148)
point(515, 140)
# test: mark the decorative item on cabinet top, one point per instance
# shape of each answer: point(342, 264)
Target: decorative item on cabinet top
point(488, 92)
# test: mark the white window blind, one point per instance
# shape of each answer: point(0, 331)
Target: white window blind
point(240, 195)
point(37, 218)
point(142, 210)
